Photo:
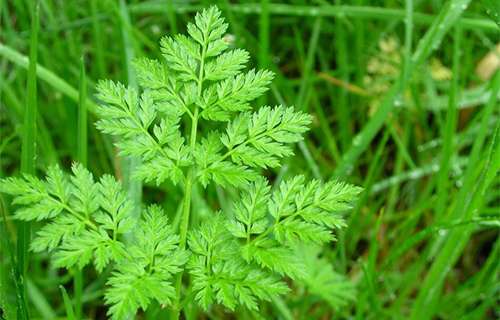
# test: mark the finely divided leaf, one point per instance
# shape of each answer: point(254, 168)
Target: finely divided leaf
point(261, 139)
point(269, 254)
point(208, 26)
point(323, 281)
point(163, 151)
point(50, 236)
point(221, 275)
point(251, 211)
point(226, 65)
point(145, 272)
point(212, 166)
point(179, 58)
point(151, 74)
point(232, 95)
point(85, 191)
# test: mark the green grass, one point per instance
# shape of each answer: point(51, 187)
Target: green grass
point(82, 157)
point(127, 165)
point(28, 161)
point(70, 313)
point(422, 241)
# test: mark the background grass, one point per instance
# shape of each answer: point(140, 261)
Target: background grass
point(405, 104)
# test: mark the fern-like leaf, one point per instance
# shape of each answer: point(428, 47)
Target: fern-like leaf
point(145, 273)
point(261, 139)
point(238, 258)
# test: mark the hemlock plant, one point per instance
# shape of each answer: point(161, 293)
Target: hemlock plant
point(235, 258)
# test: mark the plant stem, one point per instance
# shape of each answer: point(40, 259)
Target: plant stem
point(188, 188)
point(186, 209)
point(186, 206)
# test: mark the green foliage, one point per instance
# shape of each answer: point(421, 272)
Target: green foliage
point(85, 223)
point(323, 282)
point(273, 224)
point(237, 258)
point(221, 274)
point(84, 218)
point(145, 274)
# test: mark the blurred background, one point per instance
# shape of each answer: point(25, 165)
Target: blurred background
point(405, 99)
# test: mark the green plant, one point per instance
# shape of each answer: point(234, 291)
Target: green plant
point(235, 258)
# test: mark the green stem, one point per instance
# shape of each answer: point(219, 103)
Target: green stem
point(277, 220)
point(186, 209)
point(188, 188)
point(85, 220)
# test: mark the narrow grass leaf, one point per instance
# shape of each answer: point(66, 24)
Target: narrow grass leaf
point(28, 153)
point(70, 314)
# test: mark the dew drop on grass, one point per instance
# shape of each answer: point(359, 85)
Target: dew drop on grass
point(398, 102)
point(414, 175)
point(356, 141)
point(155, 29)
point(349, 169)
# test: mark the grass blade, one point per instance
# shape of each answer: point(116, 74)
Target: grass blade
point(305, 88)
point(263, 57)
point(40, 302)
point(97, 37)
point(83, 159)
point(449, 132)
point(361, 12)
point(28, 160)
point(70, 314)
point(8, 247)
point(341, 108)
point(44, 74)
point(82, 117)
point(134, 187)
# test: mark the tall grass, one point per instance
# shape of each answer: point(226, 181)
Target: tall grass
point(82, 140)
point(28, 160)
point(482, 167)
point(82, 157)
point(133, 186)
point(431, 40)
